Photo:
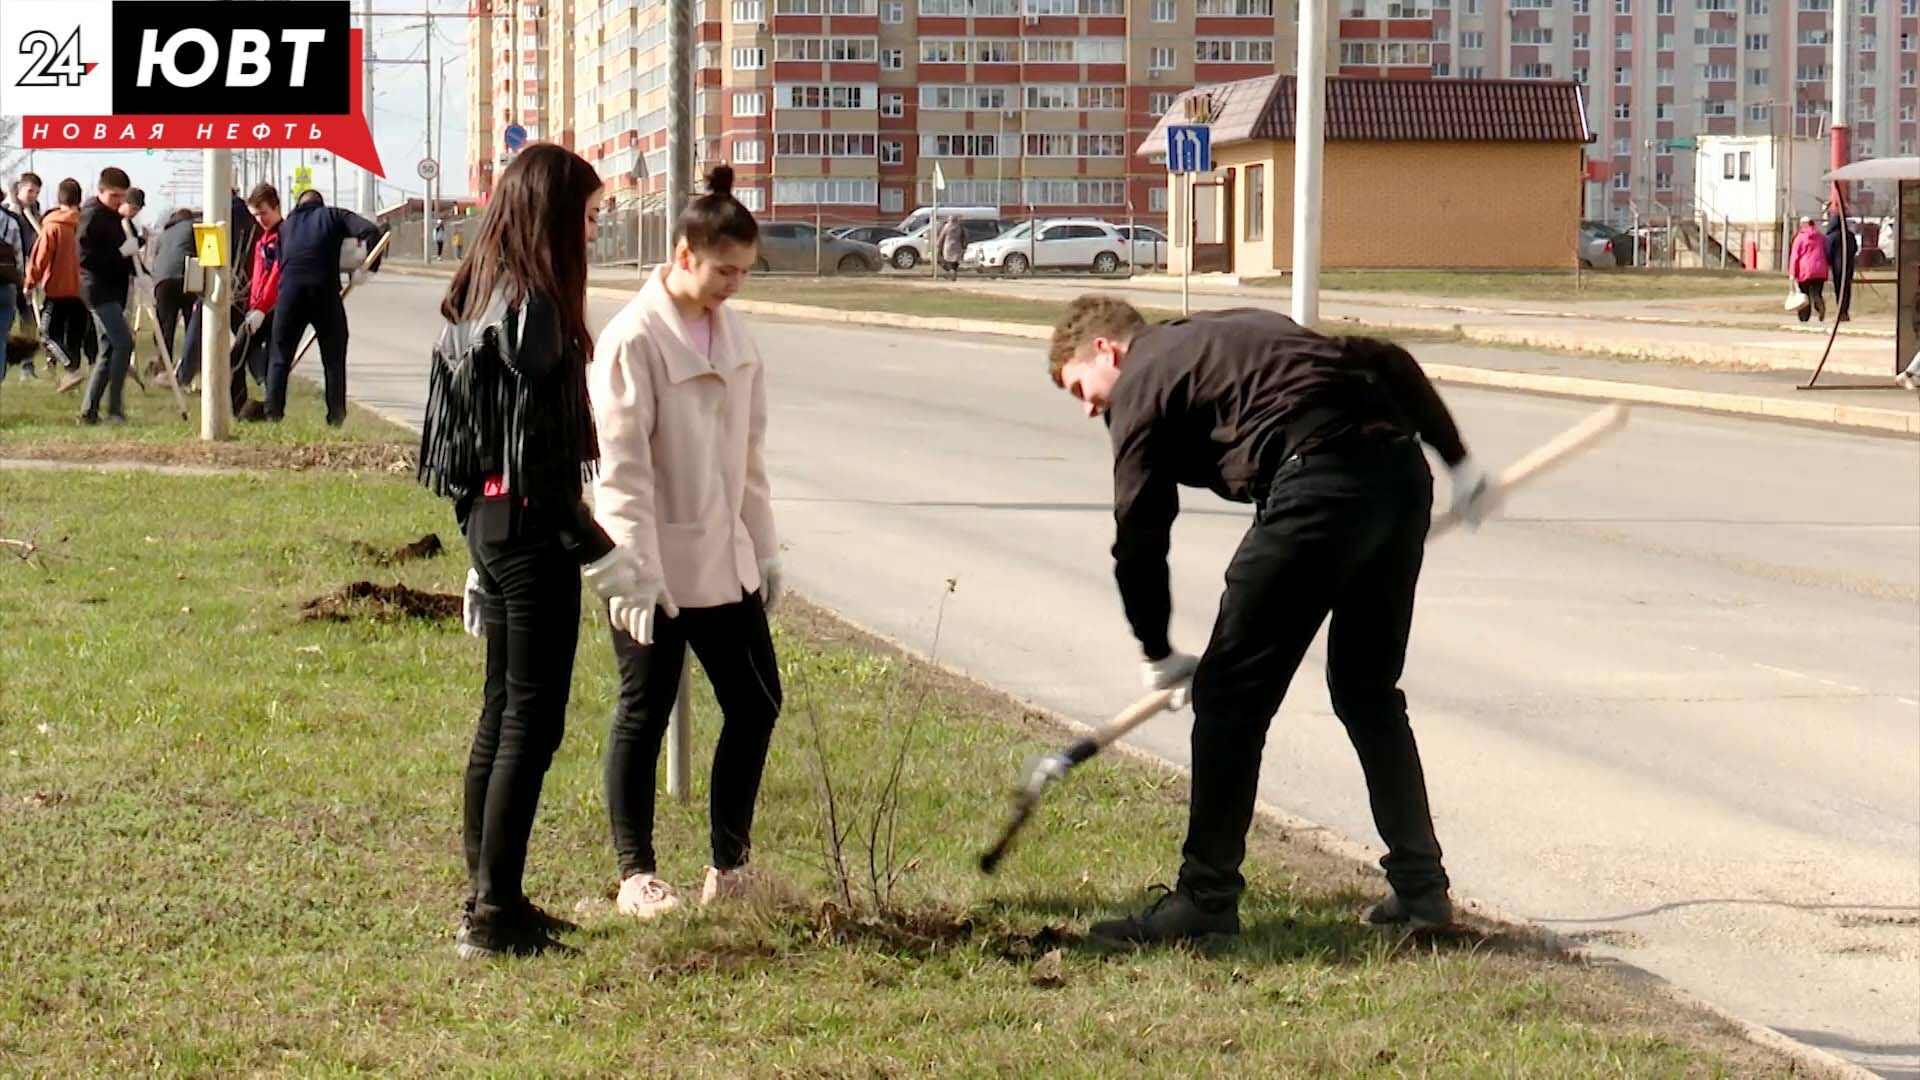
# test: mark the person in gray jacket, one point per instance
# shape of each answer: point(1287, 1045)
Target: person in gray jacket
point(170, 256)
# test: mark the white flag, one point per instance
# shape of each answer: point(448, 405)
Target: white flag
point(939, 178)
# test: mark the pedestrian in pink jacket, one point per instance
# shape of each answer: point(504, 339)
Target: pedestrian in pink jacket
point(680, 401)
point(1808, 267)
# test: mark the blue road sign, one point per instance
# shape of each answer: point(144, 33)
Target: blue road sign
point(516, 136)
point(1189, 148)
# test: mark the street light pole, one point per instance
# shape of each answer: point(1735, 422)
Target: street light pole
point(1309, 146)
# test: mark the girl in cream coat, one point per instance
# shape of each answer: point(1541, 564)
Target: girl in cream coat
point(679, 398)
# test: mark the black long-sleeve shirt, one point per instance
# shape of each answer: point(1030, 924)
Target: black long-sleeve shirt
point(1218, 401)
point(105, 274)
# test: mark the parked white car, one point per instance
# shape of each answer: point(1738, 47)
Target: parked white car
point(1149, 245)
point(1058, 244)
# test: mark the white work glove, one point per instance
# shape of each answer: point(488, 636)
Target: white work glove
point(358, 277)
point(619, 572)
point(1172, 671)
point(772, 582)
point(471, 612)
point(634, 615)
point(1472, 491)
point(130, 247)
point(352, 254)
point(255, 319)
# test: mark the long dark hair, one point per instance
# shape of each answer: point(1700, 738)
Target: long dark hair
point(717, 217)
point(532, 239)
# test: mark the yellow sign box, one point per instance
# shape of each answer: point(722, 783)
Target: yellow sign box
point(302, 180)
point(210, 245)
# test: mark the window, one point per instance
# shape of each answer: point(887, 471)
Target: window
point(831, 144)
point(1623, 110)
point(1160, 59)
point(1256, 202)
point(1232, 51)
point(1159, 102)
point(966, 145)
point(753, 198)
point(1473, 71)
point(1157, 200)
point(825, 192)
point(822, 97)
point(1759, 76)
point(1622, 146)
point(1869, 41)
point(892, 59)
point(893, 152)
point(1102, 98)
point(1623, 7)
point(892, 201)
point(1074, 192)
point(1579, 75)
point(1470, 7)
point(1906, 112)
point(1621, 181)
point(1533, 35)
point(709, 57)
point(1746, 164)
point(749, 11)
point(1663, 181)
point(1533, 71)
point(1663, 110)
point(1580, 7)
point(1815, 5)
point(1473, 39)
point(1868, 7)
point(893, 12)
point(1726, 166)
point(893, 106)
point(1164, 11)
point(1072, 144)
point(1716, 72)
point(1759, 42)
point(1580, 39)
point(749, 152)
point(1622, 76)
point(1906, 76)
point(1665, 7)
point(1441, 69)
point(1758, 7)
point(1713, 38)
point(1663, 76)
point(964, 98)
point(1811, 73)
point(749, 59)
point(1076, 50)
point(749, 104)
point(1257, 8)
point(1909, 8)
point(1906, 42)
point(1389, 54)
point(1623, 42)
point(1051, 97)
point(1815, 37)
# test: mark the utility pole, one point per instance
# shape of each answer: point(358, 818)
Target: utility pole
point(1309, 147)
point(1842, 122)
point(427, 209)
point(679, 110)
point(216, 332)
point(367, 193)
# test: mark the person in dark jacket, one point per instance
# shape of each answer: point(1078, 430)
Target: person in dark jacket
point(242, 231)
point(170, 256)
point(1843, 250)
point(310, 242)
point(106, 275)
point(508, 435)
point(23, 201)
point(1319, 435)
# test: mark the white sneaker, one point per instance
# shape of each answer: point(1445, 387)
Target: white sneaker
point(739, 883)
point(644, 896)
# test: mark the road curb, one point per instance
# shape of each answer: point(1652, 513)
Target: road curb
point(1856, 417)
point(1813, 1060)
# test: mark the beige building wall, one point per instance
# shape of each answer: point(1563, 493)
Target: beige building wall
point(1397, 205)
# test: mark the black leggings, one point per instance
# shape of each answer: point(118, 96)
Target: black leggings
point(735, 647)
point(532, 626)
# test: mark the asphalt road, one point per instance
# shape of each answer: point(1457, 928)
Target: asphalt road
point(1670, 704)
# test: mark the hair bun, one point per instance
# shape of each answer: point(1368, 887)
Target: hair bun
point(720, 180)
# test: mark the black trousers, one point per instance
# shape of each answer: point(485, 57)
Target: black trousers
point(1341, 534)
point(67, 326)
point(735, 647)
point(170, 304)
point(532, 625)
point(296, 309)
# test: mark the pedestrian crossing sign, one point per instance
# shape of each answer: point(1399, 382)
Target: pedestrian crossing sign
point(302, 180)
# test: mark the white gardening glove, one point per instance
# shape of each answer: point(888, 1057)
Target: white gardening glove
point(772, 582)
point(619, 572)
point(1472, 492)
point(352, 254)
point(471, 612)
point(634, 616)
point(1172, 671)
point(255, 319)
point(130, 247)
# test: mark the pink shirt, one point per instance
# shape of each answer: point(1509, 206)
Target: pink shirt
point(700, 335)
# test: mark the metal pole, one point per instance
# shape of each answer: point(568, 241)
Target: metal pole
point(679, 107)
point(1188, 230)
point(367, 192)
point(426, 204)
point(1309, 126)
point(216, 331)
point(1841, 127)
point(679, 738)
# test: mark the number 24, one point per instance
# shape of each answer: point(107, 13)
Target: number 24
point(55, 63)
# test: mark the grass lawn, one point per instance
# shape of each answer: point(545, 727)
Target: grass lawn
point(233, 849)
point(1560, 285)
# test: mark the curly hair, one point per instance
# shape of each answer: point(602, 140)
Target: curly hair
point(1091, 316)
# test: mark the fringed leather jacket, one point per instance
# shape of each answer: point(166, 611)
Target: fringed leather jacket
point(508, 428)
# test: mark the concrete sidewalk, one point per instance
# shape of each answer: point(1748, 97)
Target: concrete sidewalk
point(1577, 367)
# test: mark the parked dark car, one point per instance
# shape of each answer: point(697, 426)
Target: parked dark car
point(792, 245)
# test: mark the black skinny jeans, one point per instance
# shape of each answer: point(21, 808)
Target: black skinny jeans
point(735, 647)
point(1342, 533)
point(296, 309)
point(532, 620)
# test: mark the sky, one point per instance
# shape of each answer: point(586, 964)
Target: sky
point(399, 121)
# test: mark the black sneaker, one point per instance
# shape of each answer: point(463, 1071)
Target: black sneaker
point(91, 419)
point(1427, 911)
point(480, 939)
point(1172, 918)
point(534, 917)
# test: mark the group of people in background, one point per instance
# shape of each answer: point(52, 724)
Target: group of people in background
point(1819, 254)
point(92, 265)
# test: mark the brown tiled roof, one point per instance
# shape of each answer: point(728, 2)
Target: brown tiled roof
point(1394, 110)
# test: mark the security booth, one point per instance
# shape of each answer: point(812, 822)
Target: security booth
point(1905, 258)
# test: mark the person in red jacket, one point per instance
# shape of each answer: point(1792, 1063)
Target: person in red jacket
point(1809, 268)
point(253, 346)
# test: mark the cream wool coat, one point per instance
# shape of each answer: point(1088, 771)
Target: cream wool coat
point(683, 468)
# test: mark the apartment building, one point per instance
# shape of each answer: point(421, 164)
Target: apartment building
point(843, 107)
